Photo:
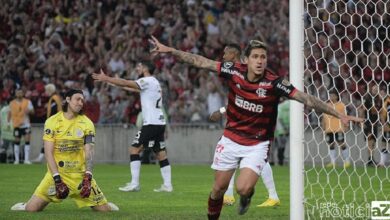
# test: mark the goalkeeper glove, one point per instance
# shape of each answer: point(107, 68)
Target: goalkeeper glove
point(85, 185)
point(62, 189)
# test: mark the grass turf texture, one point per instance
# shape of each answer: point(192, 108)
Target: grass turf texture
point(192, 184)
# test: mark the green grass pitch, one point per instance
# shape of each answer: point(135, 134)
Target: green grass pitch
point(192, 184)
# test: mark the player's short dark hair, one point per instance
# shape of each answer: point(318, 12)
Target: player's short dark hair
point(234, 46)
point(254, 44)
point(69, 94)
point(149, 65)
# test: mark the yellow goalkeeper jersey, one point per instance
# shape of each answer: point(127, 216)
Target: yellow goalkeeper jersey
point(331, 123)
point(69, 137)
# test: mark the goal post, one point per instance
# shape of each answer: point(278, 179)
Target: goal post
point(296, 113)
point(342, 48)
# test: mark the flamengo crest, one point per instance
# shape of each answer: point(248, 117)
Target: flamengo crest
point(261, 92)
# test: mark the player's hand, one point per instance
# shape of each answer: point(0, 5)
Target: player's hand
point(62, 190)
point(85, 185)
point(215, 116)
point(159, 47)
point(99, 77)
point(345, 119)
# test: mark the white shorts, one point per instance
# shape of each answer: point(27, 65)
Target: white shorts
point(229, 155)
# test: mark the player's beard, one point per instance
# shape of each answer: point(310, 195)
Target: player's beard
point(140, 76)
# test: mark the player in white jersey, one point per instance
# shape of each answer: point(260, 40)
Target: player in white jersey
point(153, 128)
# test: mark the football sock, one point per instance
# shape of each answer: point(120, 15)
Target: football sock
point(165, 169)
point(384, 156)
point(345, 154)
point(26, 152)
point(16, 152)
point(332, 154)
point(214, 208)
point(135, 167)
point(268, 180)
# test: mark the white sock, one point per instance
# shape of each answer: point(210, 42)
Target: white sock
point(135, 168)
point(268, 180)
point(16, 152)
point(332, 154)
point(41, 155)
point(26, 152)
point(345, 155)
point(229, 191)
point(166, 175)
point(384, 157)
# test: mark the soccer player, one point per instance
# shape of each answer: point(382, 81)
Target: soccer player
point(54, 105)
point(69, 138)
point(253, 98)
point(232, 53)
point(385, 119)
point(152, 132)
point(20, 109)
point(372, 105)
point(334, 131)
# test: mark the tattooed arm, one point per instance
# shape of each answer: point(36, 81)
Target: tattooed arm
point(192, 59)
point(89, 153)
point(320, 106)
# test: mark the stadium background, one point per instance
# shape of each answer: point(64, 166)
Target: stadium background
point(62, 42)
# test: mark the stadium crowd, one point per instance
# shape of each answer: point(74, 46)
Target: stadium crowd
point(62, 42)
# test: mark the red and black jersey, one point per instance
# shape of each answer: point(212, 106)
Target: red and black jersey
point(252, 106)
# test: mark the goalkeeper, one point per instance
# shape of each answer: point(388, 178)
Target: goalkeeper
point(69, 147)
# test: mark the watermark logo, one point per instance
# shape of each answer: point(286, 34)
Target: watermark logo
point(342, 211)
point(380, 210)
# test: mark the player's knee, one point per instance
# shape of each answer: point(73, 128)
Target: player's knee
point(244, 190)
point(135, 150)
point(161, 155)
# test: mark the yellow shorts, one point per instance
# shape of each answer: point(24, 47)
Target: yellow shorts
point(46, 190)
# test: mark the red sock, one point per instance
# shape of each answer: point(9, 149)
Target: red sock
point(214, 208)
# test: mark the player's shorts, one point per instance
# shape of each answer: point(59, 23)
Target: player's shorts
point(19, 132)
point(386, 136)
point(331, 137)
point(46, 190)
point(151, 136)
point(229, 154)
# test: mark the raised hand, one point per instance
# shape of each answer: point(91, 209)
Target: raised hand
point(159, 47)
point(345, 119)
point(99, 77)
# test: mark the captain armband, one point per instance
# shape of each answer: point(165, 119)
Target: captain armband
point(89, 139)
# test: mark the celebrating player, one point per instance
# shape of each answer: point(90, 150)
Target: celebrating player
point(232, 53)
point(253, 98)
point(152, 132)
point(69, 139)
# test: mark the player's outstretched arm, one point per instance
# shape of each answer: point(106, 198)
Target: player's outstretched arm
point(321, 106)
point(102, 77)
point(192, 59)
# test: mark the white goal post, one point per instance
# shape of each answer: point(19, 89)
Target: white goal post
point(296, 111)
point(340, 48)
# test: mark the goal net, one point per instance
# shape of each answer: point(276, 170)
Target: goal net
point(346, 50)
